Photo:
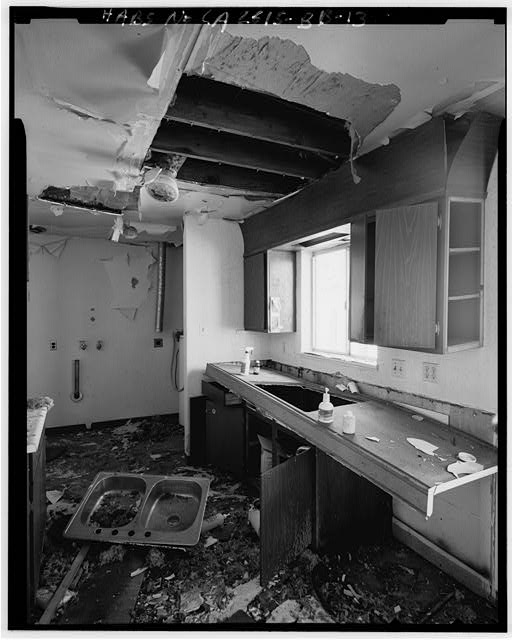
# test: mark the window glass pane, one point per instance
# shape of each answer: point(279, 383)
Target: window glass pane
point(330, 289)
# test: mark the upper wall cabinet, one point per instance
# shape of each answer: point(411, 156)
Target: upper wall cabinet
point(270, 292)
point(405, 285)
point(429, 276)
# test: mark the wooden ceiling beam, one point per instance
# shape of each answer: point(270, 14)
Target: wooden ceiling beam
point(216, 174)
point(214, 146)
point(239, 111)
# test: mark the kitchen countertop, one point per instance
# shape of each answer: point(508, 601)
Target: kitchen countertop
point(391, 463)
point(35, 427)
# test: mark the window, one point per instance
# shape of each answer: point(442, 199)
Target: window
point(330, 292)
point(324, 286)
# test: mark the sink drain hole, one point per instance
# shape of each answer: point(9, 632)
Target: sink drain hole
point(173, 520)
point(98, 531)
point(131, 533)
point(147, 534)
point(114, 532)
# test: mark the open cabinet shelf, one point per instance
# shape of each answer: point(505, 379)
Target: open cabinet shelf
point(464, 273)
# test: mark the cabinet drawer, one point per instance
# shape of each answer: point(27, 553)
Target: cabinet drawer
point(219, 394)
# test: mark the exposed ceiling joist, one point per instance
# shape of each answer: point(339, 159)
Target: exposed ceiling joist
point(241, 151)
point(233, 110)
point(210, 173)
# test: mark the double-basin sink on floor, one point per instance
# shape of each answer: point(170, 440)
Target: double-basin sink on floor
point(141, 509)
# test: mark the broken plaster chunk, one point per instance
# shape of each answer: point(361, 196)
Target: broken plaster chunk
point(138, 571)
point(422, 445)
point(54, 496)
point(210, 541)
point(191, 601)
point(286, 612)
point(397, 609)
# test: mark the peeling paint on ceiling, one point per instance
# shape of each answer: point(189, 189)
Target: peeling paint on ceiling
point(91, 98)
point(283, 68)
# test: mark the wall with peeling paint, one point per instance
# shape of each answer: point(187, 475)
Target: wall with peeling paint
point(461, 520)
point(128, 377)
point(213, 301)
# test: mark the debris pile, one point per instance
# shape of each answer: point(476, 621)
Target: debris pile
point(218, 580)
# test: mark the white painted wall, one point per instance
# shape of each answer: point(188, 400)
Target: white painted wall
point(128, 377)
point(461, 519)
point(214, 301)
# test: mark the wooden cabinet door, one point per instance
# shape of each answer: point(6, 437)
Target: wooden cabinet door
point(282, 291)
point(361, 278)
point(406, 276)
point(255, 292)
point(225, 437)
point(286, 516)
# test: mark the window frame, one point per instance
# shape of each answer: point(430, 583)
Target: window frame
point(346, 247)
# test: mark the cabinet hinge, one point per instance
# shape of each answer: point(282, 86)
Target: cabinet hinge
point(437, 328)
point(439, 222)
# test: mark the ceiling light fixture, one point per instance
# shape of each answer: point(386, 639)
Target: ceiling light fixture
point(162, 186)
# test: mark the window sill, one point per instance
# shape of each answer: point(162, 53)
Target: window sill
point(346, 359)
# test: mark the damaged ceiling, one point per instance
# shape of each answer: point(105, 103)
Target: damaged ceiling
point(258, 112)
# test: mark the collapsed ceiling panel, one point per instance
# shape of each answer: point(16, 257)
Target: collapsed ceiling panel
point(283, 68)
point(93, 97)
point(82, 92)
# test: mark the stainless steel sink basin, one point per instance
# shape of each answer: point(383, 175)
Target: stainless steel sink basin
point(139, 509)
point(172, 505)
point(300, 397)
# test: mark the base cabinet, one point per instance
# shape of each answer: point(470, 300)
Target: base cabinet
point(224, 429)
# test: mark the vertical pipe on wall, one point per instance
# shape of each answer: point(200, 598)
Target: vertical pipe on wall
point(161, 285)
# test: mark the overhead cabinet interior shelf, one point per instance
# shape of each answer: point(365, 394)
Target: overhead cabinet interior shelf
point(465, 273)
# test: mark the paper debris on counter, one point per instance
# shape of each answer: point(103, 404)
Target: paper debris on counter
point(373, 438)
point(422, 445)
point(466, 457)
point(459, 468)
point(54, 496)
point(418, 418)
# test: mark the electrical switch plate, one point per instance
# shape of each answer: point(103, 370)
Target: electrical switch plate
point(158, 343)
point(430, 372)
point(398, 368)
point(53, 345)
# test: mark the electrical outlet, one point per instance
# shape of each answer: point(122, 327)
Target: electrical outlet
point(53, 345)
point(430, 372)
point(398, 368)
point(158, 343)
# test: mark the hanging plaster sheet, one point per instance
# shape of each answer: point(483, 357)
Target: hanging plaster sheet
point(282, 67)
point(129, 276)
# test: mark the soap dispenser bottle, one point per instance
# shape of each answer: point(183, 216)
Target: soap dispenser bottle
point(326, 408)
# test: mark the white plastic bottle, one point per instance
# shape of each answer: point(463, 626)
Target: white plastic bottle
point(326, 408)
point(246, 363)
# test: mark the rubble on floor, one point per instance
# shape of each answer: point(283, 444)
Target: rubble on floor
point(219, 582)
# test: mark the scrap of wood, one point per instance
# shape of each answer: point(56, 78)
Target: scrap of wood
point(54, 603)
point(438, 605)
